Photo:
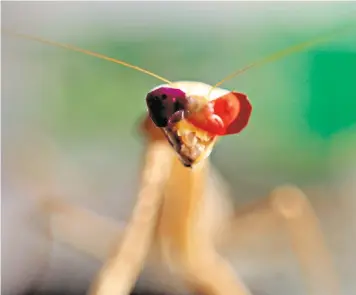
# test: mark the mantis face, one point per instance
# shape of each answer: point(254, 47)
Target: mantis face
point(191, 121)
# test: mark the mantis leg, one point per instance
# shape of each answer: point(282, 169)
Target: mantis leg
point(286, 213)
point(306, 240)
point(82, 229)
point(185, 235)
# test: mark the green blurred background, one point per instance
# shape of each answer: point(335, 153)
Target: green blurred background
point(304, 119)
point(304, 105)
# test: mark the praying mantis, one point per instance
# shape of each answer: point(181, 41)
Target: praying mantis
point(182, 227)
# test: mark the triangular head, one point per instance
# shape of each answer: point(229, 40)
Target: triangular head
point(228, 114)
point(192, 122)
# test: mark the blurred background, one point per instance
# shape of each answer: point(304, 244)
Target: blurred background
point(70, 121)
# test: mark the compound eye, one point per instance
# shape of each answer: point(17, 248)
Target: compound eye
point(163, 102)
point(157, 110)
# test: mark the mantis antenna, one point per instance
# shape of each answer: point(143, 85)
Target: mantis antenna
point(273, 57)
point(87, 52)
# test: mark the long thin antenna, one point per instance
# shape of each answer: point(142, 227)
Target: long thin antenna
point(275, 56)
point(98, 55)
